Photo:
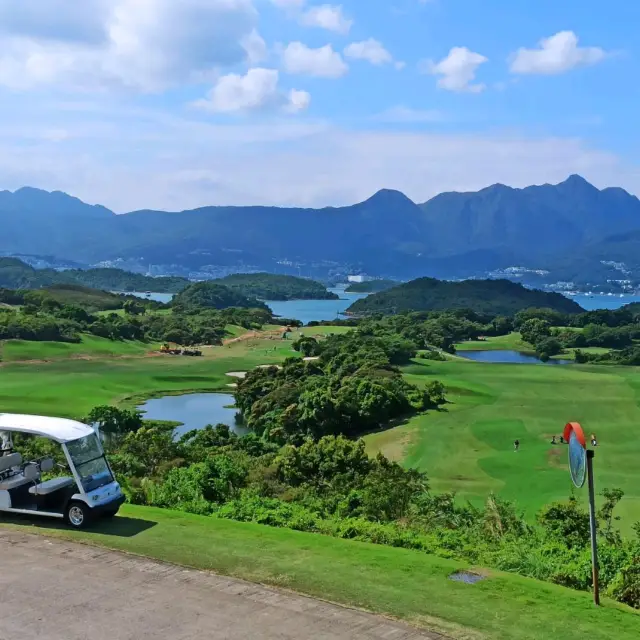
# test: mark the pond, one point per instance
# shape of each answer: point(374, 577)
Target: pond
point(508, 357)
point(194, 411)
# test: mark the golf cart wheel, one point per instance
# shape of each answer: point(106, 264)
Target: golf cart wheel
point(78, 515)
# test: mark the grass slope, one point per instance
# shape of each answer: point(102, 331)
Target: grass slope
point(468, 447)
point(91, 347)
point(396, 582)
point(70, 387)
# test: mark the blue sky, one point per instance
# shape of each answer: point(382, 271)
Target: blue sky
point(172, 105)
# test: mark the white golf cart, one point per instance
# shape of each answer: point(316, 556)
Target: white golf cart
point(89, 492)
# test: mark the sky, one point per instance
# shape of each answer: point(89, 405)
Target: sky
point(169, 104)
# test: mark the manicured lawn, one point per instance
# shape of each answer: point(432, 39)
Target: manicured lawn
point(468, 447)
point(91, 346)
point(72, 387)
point(511, 342)
point(406, 584)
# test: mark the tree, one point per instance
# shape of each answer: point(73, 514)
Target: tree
point(134, 308)
point(318, 463)
point(113, 421)
point(548, 347)
point(534, 330)
point(611, 499)
point(567, 523)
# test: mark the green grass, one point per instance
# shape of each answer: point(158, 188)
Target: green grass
point(468, 447)
point(69, 387)
point(405, 584)
point(91, 346)
point(511, 342)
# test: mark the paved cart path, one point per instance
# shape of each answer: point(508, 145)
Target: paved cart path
point(61, 590)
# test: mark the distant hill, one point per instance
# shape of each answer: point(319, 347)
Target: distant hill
point(269, 286)
point(533, 222)
point(495, 297)
point(85, 297)
point(15, 274)
point(451, 235)
point(371, 286)
point(210, 295)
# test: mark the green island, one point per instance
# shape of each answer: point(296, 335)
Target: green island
point(269, 286)
point(487, 296)
point(371, 286)
point(16, 274)
point(379, 459)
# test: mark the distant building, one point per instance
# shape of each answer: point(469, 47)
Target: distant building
point(360, 278)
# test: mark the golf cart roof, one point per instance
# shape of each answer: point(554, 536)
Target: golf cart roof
point(59, 429)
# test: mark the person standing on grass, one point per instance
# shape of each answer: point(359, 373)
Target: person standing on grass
point(516, 445)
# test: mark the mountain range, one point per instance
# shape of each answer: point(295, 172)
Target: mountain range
point(569, 228)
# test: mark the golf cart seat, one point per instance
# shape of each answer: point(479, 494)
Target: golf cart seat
point(50, 486)
point(10, 476)
point(7, 463)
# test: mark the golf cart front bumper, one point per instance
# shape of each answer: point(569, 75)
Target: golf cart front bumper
point(108, 507)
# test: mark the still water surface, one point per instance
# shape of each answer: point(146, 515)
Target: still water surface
point(303, 310)
point(508, 357)
point(194, 411)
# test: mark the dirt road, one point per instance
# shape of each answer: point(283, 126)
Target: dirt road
point(60, 590)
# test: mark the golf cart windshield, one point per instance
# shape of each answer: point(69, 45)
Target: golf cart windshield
point(90, 463)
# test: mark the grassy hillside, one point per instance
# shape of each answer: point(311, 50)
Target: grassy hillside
point(86, 297)
point(495, 297)
point(405, 584)
point(269, 286)
point(70, 386)
point(90, 347)
point(469, 447)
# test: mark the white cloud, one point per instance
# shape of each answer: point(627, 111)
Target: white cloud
point(457, 70)
point(174, 162)
point(255, 46)
point(327, 16)
point(143, 44)
point(298, 101)
point(370, 50)
point(557, 54)
point(256, 90)
point(323, 62)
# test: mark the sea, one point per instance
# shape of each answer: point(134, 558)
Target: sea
point(308, 310)
point(303, 310)
point(592, 302)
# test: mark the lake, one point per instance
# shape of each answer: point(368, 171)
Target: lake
point(194, 411)
point(508, 357)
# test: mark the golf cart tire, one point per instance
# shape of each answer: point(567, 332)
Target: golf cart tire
point(77, 515)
